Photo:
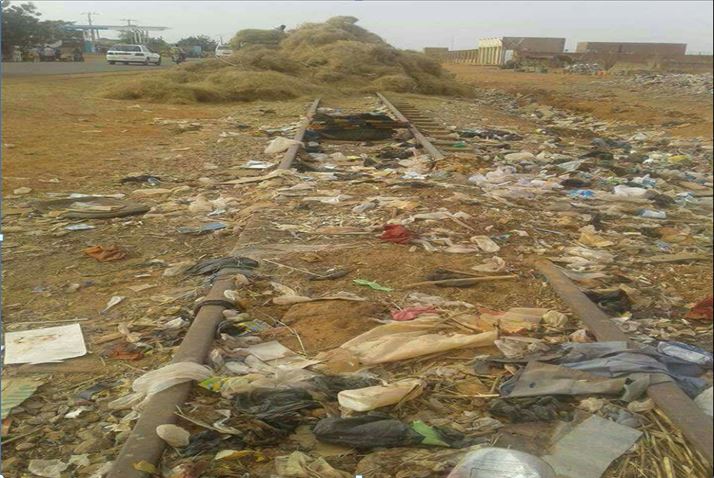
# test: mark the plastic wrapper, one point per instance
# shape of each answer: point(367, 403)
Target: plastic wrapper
point(415, 338)
point(501, 463)
point(369, 398)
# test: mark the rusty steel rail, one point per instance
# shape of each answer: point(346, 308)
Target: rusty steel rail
point(291, 153)
point(694, 424)
point(143, 443)
point(421, 139)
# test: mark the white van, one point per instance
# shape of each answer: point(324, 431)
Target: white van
point(224, 50)
point(132, 54)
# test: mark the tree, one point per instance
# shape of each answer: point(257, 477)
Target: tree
point(204, 41)
point(22, 27)
point(158, 45)
point(19, 26)
point(126, 37)
point(53, 30)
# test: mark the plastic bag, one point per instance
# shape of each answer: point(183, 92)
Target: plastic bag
point(501, 463)
point(628, 191)
point(369, 398)
point(170, 375)
point(491, 264)
point(161, 379)
point(485, 243)
point(279, 145)
point(396, 233)
point(404, 340)
point(300, 465)
point(47, 468)
point(368, 431)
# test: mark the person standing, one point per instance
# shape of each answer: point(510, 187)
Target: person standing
point(48, 53)
point(16, 54)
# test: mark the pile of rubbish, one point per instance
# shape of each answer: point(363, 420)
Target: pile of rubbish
point(583, 68)
point(330, 57)
point(354, 127)
point(681, 83)
point(383, 317)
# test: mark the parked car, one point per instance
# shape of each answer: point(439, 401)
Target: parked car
point(224, 50)
point(132, 54)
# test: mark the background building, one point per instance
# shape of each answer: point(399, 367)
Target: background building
point(497, 51)
point(630, 48)
point(436, 51)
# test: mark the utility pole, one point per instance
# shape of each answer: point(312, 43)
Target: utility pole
point(134, 31)
point(92, 33)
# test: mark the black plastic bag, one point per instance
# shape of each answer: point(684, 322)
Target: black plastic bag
point(368, 431)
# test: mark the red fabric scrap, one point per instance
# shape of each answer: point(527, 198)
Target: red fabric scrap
point(396, 234)
point(703, 310)
point(411, 313)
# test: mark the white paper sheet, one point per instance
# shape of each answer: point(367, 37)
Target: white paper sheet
point(51, 344)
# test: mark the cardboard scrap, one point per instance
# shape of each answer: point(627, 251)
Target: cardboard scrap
point(589, 449)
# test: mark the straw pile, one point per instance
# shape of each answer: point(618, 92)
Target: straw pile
point(336, 56)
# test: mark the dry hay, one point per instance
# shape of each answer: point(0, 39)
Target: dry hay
point(333, 57)
point(663, 452)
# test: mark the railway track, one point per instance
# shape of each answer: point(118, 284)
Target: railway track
point(435, 140)
point(438, 142)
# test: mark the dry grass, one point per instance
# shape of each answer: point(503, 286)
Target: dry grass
point(663, 452)
point(331, 57)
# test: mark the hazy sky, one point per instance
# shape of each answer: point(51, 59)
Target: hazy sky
point(418, 24)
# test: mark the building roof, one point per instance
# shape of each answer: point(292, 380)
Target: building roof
point(120, 28)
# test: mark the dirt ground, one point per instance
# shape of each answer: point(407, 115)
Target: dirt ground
point(679, 114)
point(60, 136)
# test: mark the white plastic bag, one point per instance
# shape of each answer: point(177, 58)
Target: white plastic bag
point(369, 398)
point(404, 340)
point(628, 191)
point(170, 375)
point(161, 379)
point(485, 243)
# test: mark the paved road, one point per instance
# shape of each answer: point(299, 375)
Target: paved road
point(69, 68)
